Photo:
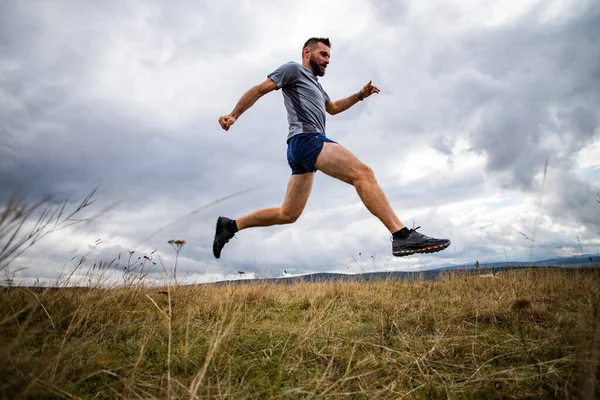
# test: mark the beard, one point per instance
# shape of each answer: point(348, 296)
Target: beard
point(316, 68)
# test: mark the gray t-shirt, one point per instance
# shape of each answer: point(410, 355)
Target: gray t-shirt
point(303, 96)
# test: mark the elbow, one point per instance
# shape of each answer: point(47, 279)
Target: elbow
point(332, 109)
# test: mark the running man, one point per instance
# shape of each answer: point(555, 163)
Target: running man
point(309, 150)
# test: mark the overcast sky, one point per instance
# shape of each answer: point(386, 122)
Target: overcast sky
point(475, 99)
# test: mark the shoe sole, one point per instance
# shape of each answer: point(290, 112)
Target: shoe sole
point(429, 249)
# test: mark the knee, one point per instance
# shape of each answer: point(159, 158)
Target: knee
point(363, 173)
point(288, 217)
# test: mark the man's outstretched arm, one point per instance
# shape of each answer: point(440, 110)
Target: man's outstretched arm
point(336, 107)
point(247, 101)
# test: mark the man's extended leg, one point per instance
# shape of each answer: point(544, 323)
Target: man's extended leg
point(296, 197)
point(336, 161)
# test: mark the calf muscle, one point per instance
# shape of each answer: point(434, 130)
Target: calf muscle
point(337, 162)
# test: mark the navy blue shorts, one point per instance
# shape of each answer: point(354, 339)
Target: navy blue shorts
point(303, 150)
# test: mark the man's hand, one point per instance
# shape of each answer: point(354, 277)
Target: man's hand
point(226, 121)
point(368, 90)
point(336, 107)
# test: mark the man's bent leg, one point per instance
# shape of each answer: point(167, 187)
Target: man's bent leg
point(297, 194)
point(336, 161)
point(296, 197)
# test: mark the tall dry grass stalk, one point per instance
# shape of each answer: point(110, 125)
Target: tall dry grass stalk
point(530, 333)
point(23, 224)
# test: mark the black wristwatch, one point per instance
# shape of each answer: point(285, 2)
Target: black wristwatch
point(360, 96)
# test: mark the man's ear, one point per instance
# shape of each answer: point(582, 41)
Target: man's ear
point(305, 52)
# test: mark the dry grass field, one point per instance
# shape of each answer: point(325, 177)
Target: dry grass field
point(521, 334)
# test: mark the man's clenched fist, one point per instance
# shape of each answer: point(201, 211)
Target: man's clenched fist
point(226, 121)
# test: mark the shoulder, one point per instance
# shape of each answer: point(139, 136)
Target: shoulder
point(286, 74)
point(289, 64)
point(292, 66)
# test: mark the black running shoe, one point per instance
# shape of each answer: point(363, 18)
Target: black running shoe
point(415, 242)
point(222, 236)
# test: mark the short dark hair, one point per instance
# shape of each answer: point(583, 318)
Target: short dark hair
point(312, 42)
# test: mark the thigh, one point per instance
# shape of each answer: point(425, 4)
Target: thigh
point(338, 162)
point(303, 150)
point(297, 193)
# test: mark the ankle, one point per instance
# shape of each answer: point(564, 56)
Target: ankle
point(232, 226)
point(401, 234)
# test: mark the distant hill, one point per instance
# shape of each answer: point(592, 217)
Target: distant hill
point(584, 260)
point(587, 260)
